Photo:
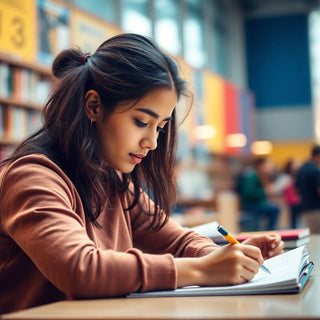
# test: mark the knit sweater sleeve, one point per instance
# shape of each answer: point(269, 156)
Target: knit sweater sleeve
point(171, 238)
point(42, 212)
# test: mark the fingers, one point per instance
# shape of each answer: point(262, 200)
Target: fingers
point(270, 244)
point(229, 265)
point(254, 253)
point(244, 275)
point(246, 261)
point(248, 275)
point(274, 245)
point(249, 269)
point(277, 247)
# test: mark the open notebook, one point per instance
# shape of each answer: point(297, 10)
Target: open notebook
point(289, 273)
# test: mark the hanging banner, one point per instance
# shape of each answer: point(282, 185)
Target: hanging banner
point(232, 117)
point(248, 119)
point(53, 30)
point(17, 28)
point(89, 32)
point(214, 110)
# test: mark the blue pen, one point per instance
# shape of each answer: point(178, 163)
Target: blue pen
point(231, 239)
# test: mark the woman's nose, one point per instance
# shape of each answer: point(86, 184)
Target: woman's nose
point(150, 142)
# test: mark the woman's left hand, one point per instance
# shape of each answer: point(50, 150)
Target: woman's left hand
point(270, 244)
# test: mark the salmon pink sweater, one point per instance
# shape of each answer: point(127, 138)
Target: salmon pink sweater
point(50, 251)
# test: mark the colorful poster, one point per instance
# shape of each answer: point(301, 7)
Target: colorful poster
point(214, 108)
point(232, 118)
point(17, 28)
point(248, 119)
point(53, 30)
point(89, 32)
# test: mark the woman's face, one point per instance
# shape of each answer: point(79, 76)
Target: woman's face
point(129, 133)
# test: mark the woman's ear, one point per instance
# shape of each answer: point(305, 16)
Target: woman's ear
point(93, 105)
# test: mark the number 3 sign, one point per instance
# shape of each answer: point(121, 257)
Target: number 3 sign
point(17, 28)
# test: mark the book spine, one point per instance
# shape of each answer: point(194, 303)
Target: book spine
point(8, 122)
point(19, 124)
point(5, 80)
point(2, 111)
point(33, 121)
point(17, 79)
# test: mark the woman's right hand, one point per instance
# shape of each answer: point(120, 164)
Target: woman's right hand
point(228, 265)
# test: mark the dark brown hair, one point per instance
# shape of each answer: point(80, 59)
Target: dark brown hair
point(125, 67)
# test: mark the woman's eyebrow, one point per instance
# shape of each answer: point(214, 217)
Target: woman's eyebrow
point(152, 113)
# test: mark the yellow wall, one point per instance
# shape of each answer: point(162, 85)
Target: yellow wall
point(283, 151)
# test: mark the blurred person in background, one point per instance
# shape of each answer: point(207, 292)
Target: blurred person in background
point(254, 188)
point(290, 194)
point(308, 186)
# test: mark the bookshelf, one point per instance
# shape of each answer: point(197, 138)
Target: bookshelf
point(24, 88)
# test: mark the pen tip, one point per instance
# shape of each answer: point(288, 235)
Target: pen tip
point(265, 269)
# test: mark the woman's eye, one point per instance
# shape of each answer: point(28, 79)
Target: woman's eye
point(140, 123)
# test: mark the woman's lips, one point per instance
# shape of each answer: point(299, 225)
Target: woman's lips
point(136, 158)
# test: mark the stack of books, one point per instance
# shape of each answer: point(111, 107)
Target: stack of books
point(292, 238)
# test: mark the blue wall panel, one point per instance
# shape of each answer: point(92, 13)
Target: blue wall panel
point(278, 60)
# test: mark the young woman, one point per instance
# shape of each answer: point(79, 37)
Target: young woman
point(76, 221)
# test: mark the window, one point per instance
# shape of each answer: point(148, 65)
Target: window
point(218, 40)
point(102, 8)
point(220, 37)
point(314, 39)
point(167, 25)
point(135, 17)
point(193, 34)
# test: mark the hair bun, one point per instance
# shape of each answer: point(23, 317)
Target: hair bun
point(65, 61)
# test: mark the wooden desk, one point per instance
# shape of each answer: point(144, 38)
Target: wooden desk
point(305, 305)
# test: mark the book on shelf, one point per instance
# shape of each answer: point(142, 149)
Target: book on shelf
point(33, 121)
point(19, 123)
point(18, 85)
point(5, 80)
point(292, 237)
point(2, 123)
point(16, 122)
point(289, 274)
point(23, 84)
point(29, 86)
